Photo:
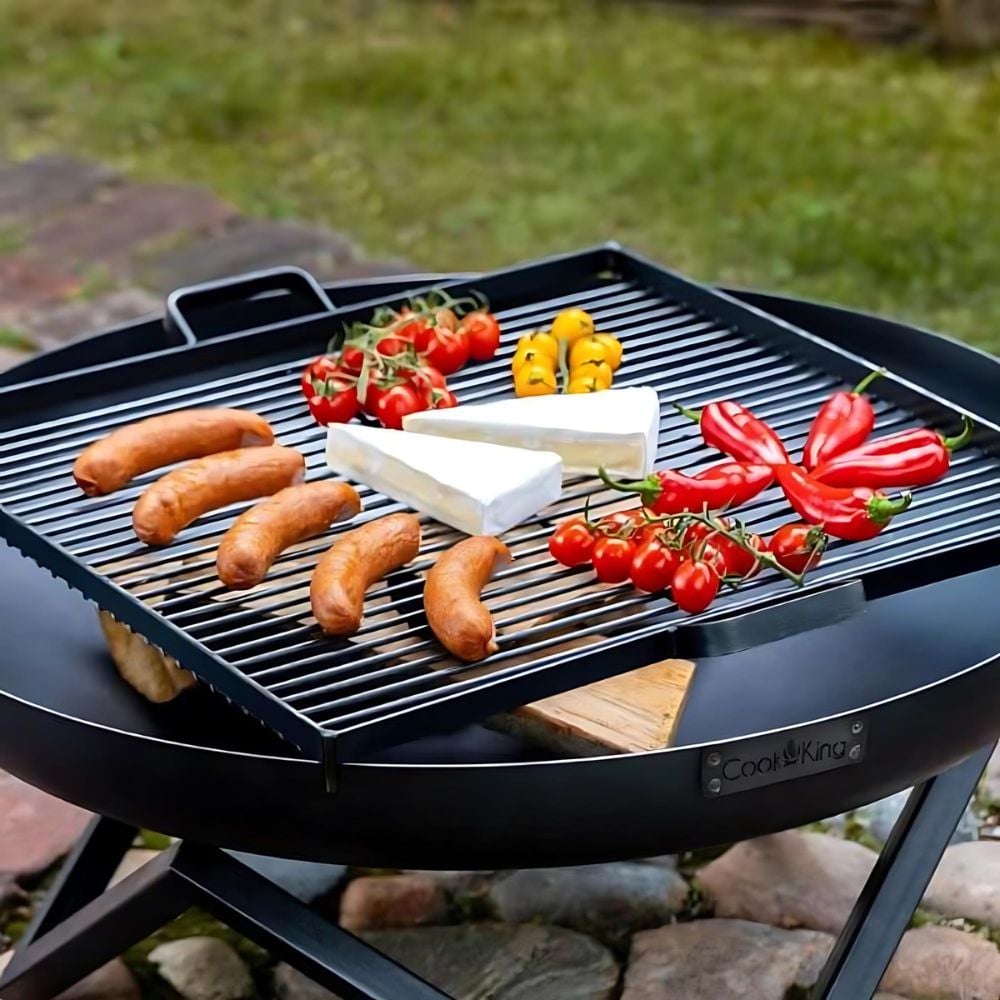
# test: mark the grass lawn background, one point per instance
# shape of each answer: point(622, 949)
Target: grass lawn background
point(469, 135)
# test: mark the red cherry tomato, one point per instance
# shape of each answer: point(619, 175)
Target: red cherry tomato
point(797, 546)
point(379, 384)
point(572, 542)
point(391, 345)
point(698, 531)
point(441, 399)
point(396, 403)
point(621, 521)
point(425, 378)
point(653, 566)
point(483, 332)
point(352, 358)
point(708, 553)
point(612, 559)
point(694, 586)
point(409, 330)
point(443, 349)
point(446, 318)
point(738, 561)
point(334, 406)
point(317, 372)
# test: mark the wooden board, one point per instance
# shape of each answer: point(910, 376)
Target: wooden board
point(624, 714)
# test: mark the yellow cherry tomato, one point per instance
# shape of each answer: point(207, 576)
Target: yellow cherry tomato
point(583, 383)
point(599, 370)
point(572, 324)
point(588, 349)
point(526, 354)
point(614, 349)
point(543, 342)
point(535, 379)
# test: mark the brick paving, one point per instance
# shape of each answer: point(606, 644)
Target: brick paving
point(83, 248)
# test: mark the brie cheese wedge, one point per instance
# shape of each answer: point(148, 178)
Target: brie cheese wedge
point(481, 489)
point(616, 428)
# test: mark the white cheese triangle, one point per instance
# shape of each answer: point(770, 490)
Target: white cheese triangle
point(481, 489)
point(617, 428)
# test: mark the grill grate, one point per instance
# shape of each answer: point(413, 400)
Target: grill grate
point(392, 679)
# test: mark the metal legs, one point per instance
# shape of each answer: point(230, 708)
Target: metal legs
point(897, 883)
point(83, 925)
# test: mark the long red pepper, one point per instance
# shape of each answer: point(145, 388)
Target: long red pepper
point(844, 421)
point(851, 514)
point(916, 457)
point(732, 428)
point(728, 484)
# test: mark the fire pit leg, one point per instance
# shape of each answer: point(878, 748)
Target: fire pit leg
point(83, 925)
point(893, 892)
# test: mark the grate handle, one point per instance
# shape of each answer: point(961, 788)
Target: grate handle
point(784, 616)
point(294, 282)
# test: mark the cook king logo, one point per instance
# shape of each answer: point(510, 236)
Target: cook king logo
point(795, 753)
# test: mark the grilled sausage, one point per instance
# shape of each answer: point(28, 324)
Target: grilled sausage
point(208, 483)
point(114, 461)
point(260, 535)
point(357, 559)
point(456, 615)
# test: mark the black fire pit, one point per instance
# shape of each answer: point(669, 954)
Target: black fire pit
point(883, 673)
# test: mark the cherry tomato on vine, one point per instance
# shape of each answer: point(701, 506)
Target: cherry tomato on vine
point(334, 405)
point(445, 350)
point(392, 345)
point(483, 332)
point(797, 546)
point(618, 521)
point(396, 403)
point(653, 566)
point(739, 562)
point(378, 385)
point(441, 399)
point(612, 559)
point(446, 318)
point(572, 542)
point(318, 371)
point(407, 328)
point(424, 378)
point(352, 358)
point(694, 586)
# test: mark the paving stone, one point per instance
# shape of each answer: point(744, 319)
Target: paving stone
point(989, 790)
point(609, 900)
point(879, 817)
point(377, 902)
point(26, 285)
point(942, 963)
point(112, 228)
point(9, 357)
point(967, 883)
point(306, 880)
point(46, 184)
point(290, 984)
point(203, 968)
point(790, 879)
point(35, 829)
point(723, 960)
point(250, 246)
point(110, 982)
point(64, 322)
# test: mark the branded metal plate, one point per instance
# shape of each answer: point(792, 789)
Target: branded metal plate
point(766, 760)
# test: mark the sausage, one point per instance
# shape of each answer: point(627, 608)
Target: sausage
point(114, 461)
point(260, 535)
point(456, 615)
point(183, 495)
point(359, 558)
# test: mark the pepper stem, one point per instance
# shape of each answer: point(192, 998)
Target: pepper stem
point(962, 439)
point(882, 509)
point(867, 381)
point(694, 415)
point(648, 488)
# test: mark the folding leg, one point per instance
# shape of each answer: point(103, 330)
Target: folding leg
point(897, 883)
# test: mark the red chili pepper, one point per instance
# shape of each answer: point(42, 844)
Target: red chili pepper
point(916, 457)
point(844, 421)
point(732, 428)
point(851, 514)
point(728, 484)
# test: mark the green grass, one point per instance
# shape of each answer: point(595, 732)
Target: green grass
point(474, 134)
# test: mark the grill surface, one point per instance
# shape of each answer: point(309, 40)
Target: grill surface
point(392, 679)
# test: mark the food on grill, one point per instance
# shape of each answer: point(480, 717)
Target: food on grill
point(852, 514)
point(618, 429)
point(728, 484)
point(481, 489)
point(114, 461)
point(572, 324)
point(536, 378)
point(733, 429)
point(612, 558)
point(292, 515)
point(331, 392)
point(916, 457)
point(358, 559)
point(844, 421)
point(572, 543)
point(455, 613)
point(185, 494)
point(596, 349)
point(483, 332)
point(150, 671)
point(798, 546)
point(695, 585)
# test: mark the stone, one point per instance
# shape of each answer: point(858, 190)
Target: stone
point(790, 879)
point(64, 322)
point(113, 981)
point(376, 902)
point(11, 894)
point(307, 881)
point(878, 818)
point(110, 229)
point(203, 968)
point(942, 963)
point(35, 828)
point(723, 960)
point(290, 984)
point(608, 900)
point(10, 356)
point(484, 961)
point(134, 859)
point(27, 284)
point(46, 184)
point(967, 883)
point(989, 789)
